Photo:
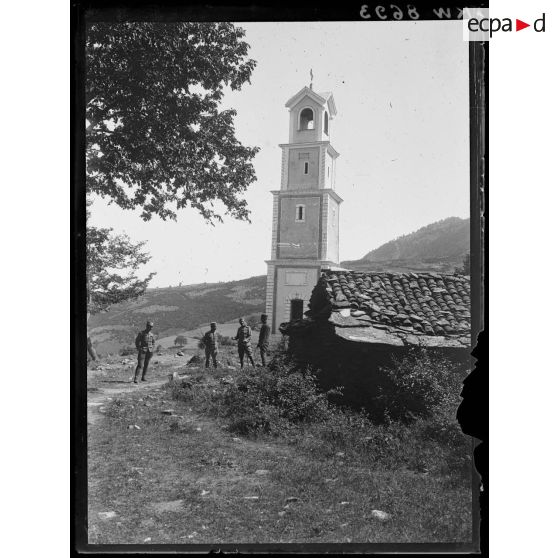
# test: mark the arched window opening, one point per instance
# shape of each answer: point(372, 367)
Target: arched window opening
point(307, 119)
point(326, 124)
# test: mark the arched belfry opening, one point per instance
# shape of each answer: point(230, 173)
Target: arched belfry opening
point(307, 119)
point(326, 123)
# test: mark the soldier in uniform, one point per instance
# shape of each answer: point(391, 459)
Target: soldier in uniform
point(211, 348)
point(244, 340)
point(263, 341)
point(145, 344)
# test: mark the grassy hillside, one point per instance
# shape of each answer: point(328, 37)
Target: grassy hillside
point(439, 246)
point(177, 310)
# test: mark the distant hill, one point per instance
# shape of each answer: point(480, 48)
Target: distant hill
point(439, 246)
point(176, 310)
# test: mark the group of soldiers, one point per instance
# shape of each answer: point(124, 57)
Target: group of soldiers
point(145, 343)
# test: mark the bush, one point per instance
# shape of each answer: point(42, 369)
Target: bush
point(272, 400)
point(225, 340)
point(420, 384)
point(127, 351)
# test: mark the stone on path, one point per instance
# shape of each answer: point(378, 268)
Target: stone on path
point(262, 472)
point(292, 499)
point(253, 498)
point(168, 411)
point(107, 515)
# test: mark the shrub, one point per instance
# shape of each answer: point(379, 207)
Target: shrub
point(271, 400)
point(225, 340)
point(181, 340)
point(420, 384)
point(127, 351)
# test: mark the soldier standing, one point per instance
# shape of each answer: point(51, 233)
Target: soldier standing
point(145, 344)
point(263, 341)
point(244, 339)
point(210, 343)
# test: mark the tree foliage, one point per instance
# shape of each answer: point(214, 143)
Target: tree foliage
point(156, 139)
point(112, 261)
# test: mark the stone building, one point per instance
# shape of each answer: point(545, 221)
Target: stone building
point(305, 231)
point(357, 322)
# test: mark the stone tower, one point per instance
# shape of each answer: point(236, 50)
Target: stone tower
point(305, 232)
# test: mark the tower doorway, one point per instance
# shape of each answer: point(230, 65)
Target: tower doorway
point(297, 309)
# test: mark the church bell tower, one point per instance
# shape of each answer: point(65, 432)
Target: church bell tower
point(305, 231)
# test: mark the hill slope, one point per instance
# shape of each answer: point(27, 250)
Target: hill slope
point(439, 246)
point(176, 310)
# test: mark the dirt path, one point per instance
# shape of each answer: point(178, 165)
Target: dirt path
point(100, 395)
point(96, 399)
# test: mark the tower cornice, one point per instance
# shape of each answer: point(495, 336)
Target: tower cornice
point(306, 193)
point(331, 150)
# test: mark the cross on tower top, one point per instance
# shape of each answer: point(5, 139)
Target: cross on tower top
point(311, 78)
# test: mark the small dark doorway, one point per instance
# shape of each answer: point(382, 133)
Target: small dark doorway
point(297, 309)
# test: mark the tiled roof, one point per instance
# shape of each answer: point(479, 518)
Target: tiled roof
point(395, 308)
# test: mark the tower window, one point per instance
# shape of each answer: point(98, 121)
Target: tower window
point(305, 167)
point(307, 119)
point(326, 124)
point(300, 215)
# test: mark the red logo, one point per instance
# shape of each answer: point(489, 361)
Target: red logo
point(519, 25)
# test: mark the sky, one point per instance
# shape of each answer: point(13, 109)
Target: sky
point(402, 131)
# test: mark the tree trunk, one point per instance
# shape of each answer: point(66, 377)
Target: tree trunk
point(91, 350)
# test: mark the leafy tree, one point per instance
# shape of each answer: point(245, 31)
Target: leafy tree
point(156, 139)
point(107, 255)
